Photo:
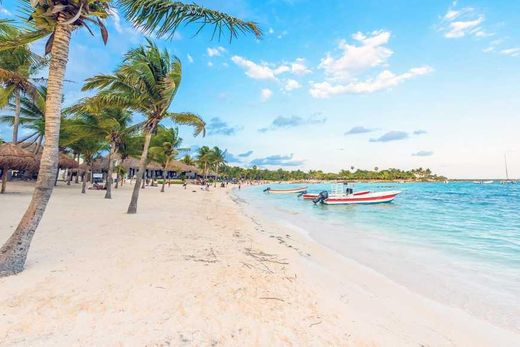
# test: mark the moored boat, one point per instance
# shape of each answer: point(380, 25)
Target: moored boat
point(312, 196)
point(285, 191)
point(369, 198)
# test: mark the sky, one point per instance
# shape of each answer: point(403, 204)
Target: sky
point(342, 83)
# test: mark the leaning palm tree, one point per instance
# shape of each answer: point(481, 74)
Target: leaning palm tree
point(146, 82)
point(57, 19)
point(17, 65)
point(111, 122)
point(165, 147)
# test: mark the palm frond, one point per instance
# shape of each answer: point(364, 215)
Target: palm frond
point(163, 18)
point(191, 119)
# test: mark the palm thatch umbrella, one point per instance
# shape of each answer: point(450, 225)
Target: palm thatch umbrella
point(12, 157)
point(67, 162)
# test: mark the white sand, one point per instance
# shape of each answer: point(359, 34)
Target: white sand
point(192, 269)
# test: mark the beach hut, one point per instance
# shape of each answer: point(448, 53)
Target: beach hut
point(12, 157)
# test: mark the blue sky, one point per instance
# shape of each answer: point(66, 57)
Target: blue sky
point(386, 83)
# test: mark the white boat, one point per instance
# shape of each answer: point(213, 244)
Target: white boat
point(341, 195)
point(285, 191)
point(370, 198)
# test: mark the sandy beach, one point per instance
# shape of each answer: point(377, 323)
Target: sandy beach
point(192, 269)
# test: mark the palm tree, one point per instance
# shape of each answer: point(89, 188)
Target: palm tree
point(204, 159)
point(188, 160)
point(17, 65)
point(57, 19)
point(111, 122)
point(146, 82)
point(31, 116)
point(165, 147)
point(217, 159)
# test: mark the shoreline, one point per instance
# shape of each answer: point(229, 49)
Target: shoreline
point(192, 268)
point(328, 259)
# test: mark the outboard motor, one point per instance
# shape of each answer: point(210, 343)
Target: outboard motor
point(300, 194)
point(267, 189)
point(322, 197)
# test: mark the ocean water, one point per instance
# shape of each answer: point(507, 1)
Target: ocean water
point(456, 243)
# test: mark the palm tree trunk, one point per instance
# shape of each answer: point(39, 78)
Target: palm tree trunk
point(108, 194)
point(164, 178)
point(132, 208)
point(85, 180)
point(39, 145)
point(16, 115)
point(13, 253)
point(118, 177)
point(5, 172)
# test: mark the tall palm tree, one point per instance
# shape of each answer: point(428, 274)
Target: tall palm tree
point(56, 19)
point(17, 65)
point(217, 159)
point(165, 147)
point(204, 159)
point(112, 122)
point(146, 82)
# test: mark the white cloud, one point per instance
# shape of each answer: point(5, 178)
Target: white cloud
point(270, 31)
point(266, 94)
point(298, 67)
point(513, 52)
point(384, 80)
point(190, 58)
point(457, 23)
point(216, 52)
point(369, 53)
point(210, 64)
point(269, 71)
point(291, 84)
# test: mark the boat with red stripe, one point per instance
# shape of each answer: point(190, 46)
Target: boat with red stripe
point(312, 196)
point(370, 198)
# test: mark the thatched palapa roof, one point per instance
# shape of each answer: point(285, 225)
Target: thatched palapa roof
point(66, 162)
point(15, 158)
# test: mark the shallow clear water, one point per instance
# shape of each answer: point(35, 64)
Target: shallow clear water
point(457, 243)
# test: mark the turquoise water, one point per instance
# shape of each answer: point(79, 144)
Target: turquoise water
point(458, 243)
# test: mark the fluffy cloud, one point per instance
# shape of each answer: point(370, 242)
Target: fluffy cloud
point(353, 70)
point(369, 52)
point(266, 71)
point(291, 84)
point(358, 130)
point(215, 52)
point(282, 122)
point(277, 160)
point(190, 58)
point(265, 94)
point(217, 126)
point(391, 136)
point(383, 80)
point(423, 154)
point(420, 132)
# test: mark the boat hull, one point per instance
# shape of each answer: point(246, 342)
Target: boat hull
point(370, 198)
point(312, 196)
point(286, 191)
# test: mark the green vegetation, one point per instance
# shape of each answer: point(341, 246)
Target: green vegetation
point(358, 175)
